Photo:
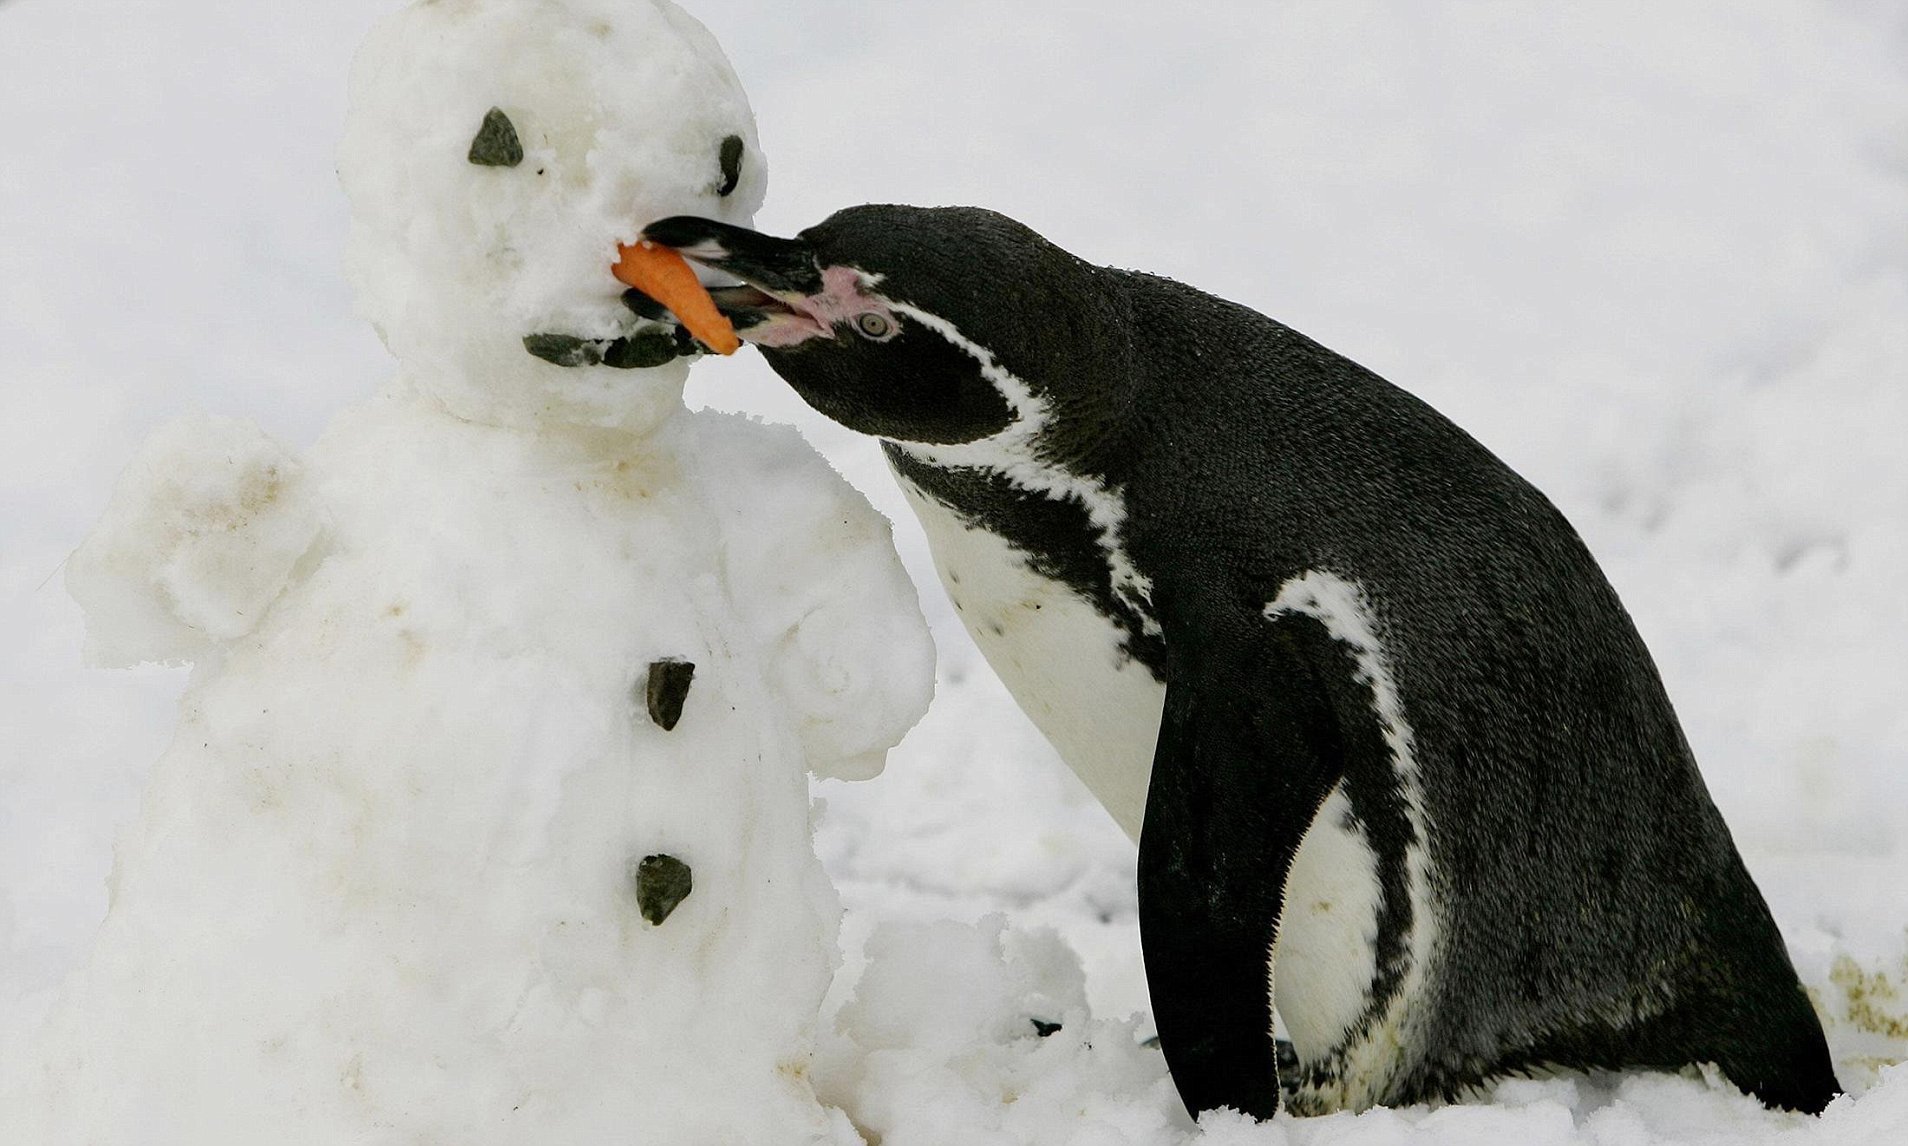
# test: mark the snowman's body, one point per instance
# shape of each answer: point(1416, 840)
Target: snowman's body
point(384, 886)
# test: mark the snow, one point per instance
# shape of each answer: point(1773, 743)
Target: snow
point(425, 861)
point(621, 110)
point(1652, 255)
point(203, 532)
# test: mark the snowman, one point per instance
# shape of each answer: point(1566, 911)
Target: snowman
point(487, 818)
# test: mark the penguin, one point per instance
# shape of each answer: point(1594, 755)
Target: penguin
point(1400, 769)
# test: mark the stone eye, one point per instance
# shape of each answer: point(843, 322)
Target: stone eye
point(875, 326)
point(731, 159)
point(496, 144)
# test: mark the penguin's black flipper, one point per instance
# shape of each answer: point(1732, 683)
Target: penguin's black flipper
point(1249, 747)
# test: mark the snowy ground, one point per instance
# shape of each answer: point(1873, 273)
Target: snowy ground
point(1655, 255)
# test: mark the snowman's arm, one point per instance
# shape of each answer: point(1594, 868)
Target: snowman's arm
point(857, 664)
point(203, 533)
point(814, 566)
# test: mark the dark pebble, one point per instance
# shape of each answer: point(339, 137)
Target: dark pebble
point(648, 348)
point(641, 304)
point(667, 689)
point(496, 144)
point(686, 343)
point(1045, 1029)
point(662, 883)
point(731, 157)
point(564, 349)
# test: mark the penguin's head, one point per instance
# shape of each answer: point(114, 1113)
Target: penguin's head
point(924, 325)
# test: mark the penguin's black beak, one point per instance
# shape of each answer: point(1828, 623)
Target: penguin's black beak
point(778, 266)
point(778, 277)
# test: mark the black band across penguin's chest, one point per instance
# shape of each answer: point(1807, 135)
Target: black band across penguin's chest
point(1056, 534)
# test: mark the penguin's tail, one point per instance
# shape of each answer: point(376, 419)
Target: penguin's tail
point(1789, 1065)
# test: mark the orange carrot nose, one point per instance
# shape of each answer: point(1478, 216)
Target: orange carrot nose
point(667, 277)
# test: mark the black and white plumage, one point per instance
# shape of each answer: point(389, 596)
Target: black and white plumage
point(1397, 761)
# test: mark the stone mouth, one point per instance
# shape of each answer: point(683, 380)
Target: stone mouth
point(654, 346)
point(655, 340)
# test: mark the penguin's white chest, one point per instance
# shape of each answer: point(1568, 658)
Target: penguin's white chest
point(1061, 658)
point(1064, 662)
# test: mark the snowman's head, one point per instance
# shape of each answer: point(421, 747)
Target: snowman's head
point(495, 154)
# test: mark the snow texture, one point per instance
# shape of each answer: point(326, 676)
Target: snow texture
point(423, 862)
point(620, 108)
point(1653, 255)
point(200, 538)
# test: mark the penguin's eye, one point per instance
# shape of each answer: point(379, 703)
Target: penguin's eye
point(875, 326)
point(730, 157)
point(496, 144)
